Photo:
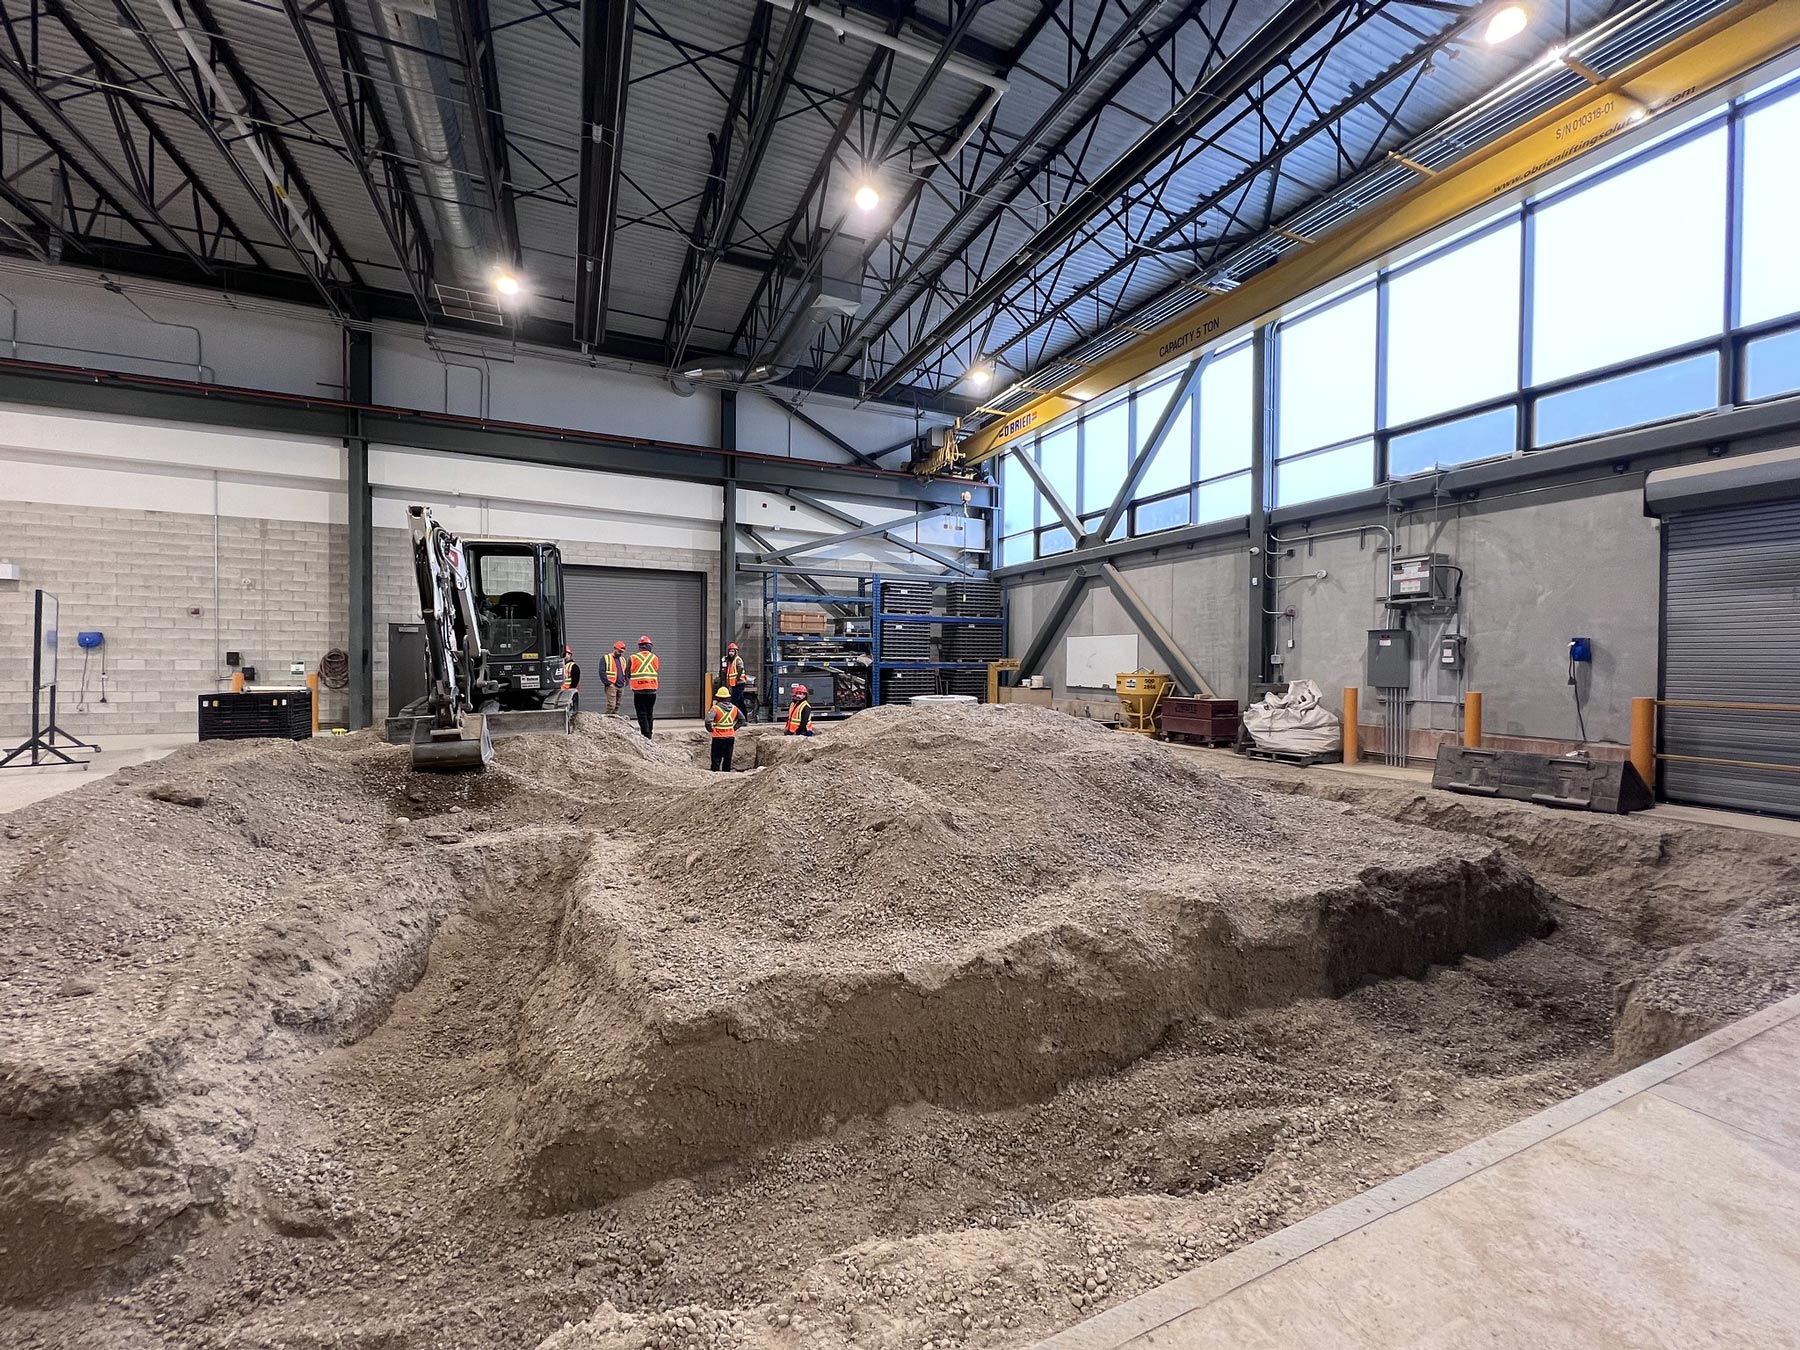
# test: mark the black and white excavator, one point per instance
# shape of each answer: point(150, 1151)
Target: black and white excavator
point(494, 639)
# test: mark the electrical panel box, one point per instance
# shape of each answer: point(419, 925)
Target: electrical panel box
point(1389, 663)
point(1424, 579)
point(1450, 652)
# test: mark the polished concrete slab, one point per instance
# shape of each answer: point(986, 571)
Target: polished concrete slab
point(1661, 1208)
point(22, 786)
point(1415, 775)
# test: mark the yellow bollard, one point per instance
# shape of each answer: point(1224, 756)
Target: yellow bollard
point(1472, 719)
point(312, 683)
point(237, 681)
point(1643, 740)
point(1351, 748)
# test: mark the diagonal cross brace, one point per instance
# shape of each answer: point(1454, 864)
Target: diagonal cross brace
point(1190, 380)
point(1051, 495)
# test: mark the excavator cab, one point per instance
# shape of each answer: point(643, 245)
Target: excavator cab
point(518, 593)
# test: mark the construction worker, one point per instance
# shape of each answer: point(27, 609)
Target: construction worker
point(731, 676)
point(722, 721)
point(799, 718)
point(571, 676)
point(643, 674)
point(615, 675)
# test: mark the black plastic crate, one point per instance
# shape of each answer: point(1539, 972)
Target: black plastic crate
point(285, 714)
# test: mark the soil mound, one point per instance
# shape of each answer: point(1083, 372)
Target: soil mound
point(944, 817)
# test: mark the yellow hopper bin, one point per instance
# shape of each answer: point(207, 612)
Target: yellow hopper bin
point(1141, 693)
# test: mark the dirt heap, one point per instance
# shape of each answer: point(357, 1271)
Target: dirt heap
point(299, 1048)
point(852, 927)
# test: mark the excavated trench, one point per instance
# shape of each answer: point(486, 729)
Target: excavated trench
point(626, 1084)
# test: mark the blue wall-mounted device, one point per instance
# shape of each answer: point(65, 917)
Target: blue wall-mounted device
point(90, 640)
point(1581, 649)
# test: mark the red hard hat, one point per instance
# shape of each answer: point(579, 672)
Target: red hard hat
point(619, 646)
point(799, 689)
point(731, 646)
point(644, 642)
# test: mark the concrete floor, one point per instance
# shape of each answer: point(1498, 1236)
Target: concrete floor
point(22, 786)
point(1659, 1209)
point(1234, 765)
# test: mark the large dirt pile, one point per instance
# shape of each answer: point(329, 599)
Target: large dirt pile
point(938, 1027)
point(854, 926)
point(949, 815)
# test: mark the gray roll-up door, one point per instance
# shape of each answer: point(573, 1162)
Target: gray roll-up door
point(1732, 633)
point(608, 603)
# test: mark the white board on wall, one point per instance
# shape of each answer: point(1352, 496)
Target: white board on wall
point(1096, 662)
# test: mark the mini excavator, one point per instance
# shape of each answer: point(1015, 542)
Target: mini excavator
point(494, 637)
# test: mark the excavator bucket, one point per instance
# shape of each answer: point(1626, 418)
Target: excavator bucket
point(468, 748)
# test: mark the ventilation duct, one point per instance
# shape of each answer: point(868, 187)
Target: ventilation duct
point(466, 245)
point(829, 291)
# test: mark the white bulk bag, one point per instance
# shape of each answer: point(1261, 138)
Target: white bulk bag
point(1296, 720)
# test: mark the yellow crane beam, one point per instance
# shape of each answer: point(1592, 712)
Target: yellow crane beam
point(1691, 67)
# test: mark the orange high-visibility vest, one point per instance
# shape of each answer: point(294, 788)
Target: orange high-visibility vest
point(644, 670)
point(798, 716)
point(734, 670)
point(614, 667)
point(723, 720)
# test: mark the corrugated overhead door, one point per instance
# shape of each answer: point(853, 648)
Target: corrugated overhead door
point(608, 603)
point(1731, 603)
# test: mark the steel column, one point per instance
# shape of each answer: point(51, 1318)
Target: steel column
point(1262, 429)
point(358, 377)
point(728, 521)
point(605, 77)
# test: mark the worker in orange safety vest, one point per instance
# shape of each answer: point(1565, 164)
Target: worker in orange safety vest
point(731, 676)
point(644, 673)
point(615, 675)
point(799, 718)
point(722, 721)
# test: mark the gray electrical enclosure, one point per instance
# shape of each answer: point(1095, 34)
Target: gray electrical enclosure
point(1389, 664)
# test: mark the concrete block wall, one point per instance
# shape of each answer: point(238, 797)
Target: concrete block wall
point(135, 576)
point(1539, 568)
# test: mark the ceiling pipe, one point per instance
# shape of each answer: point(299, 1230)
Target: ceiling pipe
point(414, 47)
point(847, 25)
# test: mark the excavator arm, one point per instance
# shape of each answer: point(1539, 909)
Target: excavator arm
point(456, 735)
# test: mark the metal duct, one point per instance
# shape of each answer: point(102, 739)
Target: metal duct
point(466, 247)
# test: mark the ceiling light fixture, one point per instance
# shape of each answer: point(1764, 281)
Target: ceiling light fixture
point(1508, 22)
point(981, 375)
point(867, 198)
point(506, 284)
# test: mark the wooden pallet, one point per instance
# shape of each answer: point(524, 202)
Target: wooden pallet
point(1299, 758)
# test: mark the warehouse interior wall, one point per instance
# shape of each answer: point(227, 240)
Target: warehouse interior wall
point(1583, 558)
point(123, 518)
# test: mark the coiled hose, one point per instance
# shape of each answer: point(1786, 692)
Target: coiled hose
point(334, 668)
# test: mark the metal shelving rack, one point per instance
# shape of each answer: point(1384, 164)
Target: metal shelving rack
point(914, 645)
point(786, 654)
point(904, 664)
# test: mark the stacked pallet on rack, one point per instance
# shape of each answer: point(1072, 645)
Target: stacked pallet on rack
point(972, 643)
point(906, 643)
